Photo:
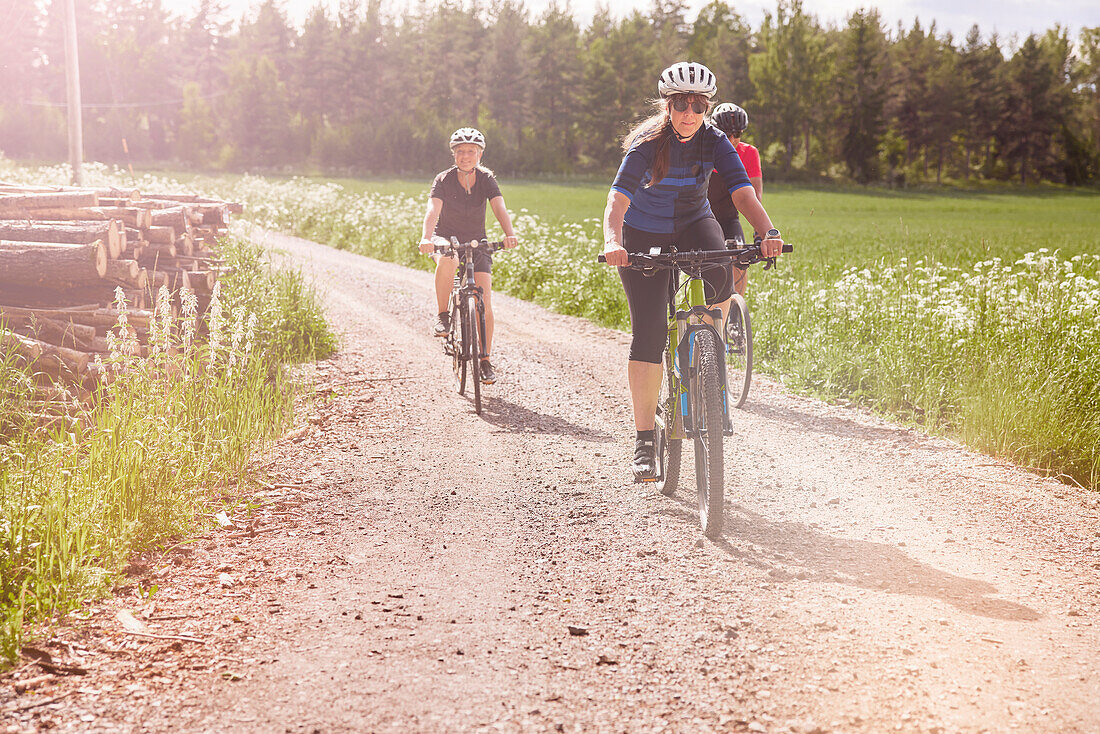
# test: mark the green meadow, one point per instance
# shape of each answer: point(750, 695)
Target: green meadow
point(839, 228)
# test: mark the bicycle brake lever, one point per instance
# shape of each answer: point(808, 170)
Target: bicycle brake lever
point(769, 263)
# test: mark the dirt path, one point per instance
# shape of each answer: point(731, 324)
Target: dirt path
point(423, 569)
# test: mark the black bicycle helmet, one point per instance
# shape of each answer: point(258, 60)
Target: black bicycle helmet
point(730, 119)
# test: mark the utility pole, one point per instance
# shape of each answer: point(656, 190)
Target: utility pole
point(72, 78)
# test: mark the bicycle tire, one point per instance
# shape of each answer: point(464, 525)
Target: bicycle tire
point(669, 450)
point(458, 348)
point(475, 350)
point(708, 419)
point(739, 354)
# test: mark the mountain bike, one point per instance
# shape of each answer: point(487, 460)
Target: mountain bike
point(465, 342)
point(694, 402)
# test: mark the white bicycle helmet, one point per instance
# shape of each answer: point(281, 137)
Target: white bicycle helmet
point(467, 135)
point(687, 77)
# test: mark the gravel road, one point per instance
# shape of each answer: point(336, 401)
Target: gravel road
point(424, 569)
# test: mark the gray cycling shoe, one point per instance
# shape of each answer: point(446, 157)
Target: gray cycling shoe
point(442, 324)
point(645, 458)
point(488, 374)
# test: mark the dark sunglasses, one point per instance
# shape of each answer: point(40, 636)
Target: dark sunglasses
point(680, 104)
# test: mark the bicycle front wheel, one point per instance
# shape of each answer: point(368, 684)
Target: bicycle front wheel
point(739, 354)
point(708, 418)
point(668, 448)
point(475, 350)
point(459, 353)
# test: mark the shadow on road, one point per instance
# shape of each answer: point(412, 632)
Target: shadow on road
point(792, 550)
point(832, 425)
point(516, 419)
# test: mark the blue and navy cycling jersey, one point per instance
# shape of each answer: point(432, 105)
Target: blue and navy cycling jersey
point(680, 198)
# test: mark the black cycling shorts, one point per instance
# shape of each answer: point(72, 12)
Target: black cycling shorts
point(647, 295)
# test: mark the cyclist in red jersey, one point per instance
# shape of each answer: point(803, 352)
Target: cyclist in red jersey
point(732, 120)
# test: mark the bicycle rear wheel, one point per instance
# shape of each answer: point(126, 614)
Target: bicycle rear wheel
point(475, 350)
point(708, 418)
point(739, 355)
point(457, 337)
point(669, 450)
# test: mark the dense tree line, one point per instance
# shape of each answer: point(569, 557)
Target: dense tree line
point(368, 92)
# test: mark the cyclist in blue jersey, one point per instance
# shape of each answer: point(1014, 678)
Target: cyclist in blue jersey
point(456, 208)
point(659, 199)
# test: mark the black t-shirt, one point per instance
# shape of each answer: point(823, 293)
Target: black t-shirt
point(463, 215)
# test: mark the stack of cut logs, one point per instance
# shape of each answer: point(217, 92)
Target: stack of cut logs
point(64, 251)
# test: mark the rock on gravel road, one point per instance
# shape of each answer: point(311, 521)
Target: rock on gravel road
point(416, 568)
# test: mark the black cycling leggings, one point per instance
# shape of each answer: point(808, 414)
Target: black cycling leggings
point(647, 295)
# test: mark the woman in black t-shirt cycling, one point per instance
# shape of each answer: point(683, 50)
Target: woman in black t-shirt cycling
point(456, 208)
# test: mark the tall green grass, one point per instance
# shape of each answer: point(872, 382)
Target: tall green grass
point(1003, 355)
point(163, 436)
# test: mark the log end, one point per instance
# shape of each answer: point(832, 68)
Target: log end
point(99, 257)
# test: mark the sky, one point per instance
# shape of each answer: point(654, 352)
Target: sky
point(1006, 17)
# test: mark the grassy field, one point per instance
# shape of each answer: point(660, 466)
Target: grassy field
point(837, 229)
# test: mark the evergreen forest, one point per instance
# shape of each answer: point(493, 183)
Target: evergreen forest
point(370, 90)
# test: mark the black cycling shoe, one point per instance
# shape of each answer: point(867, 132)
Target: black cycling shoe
point(488, 374)
point(645, 457)
point(442, 324)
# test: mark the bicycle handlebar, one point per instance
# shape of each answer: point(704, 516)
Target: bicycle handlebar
point(741, 257)
point(454, 247)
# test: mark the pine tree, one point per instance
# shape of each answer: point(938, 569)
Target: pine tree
point(980, 85)
point(506, 73)
point(1037, 104)
point(315, 86)
point(1089, 79)
point(944, 126)
point(862, 74)
point(195, 134)
point(671, 28)
point(788, 76)
point(911, 105)
point(556, 70)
